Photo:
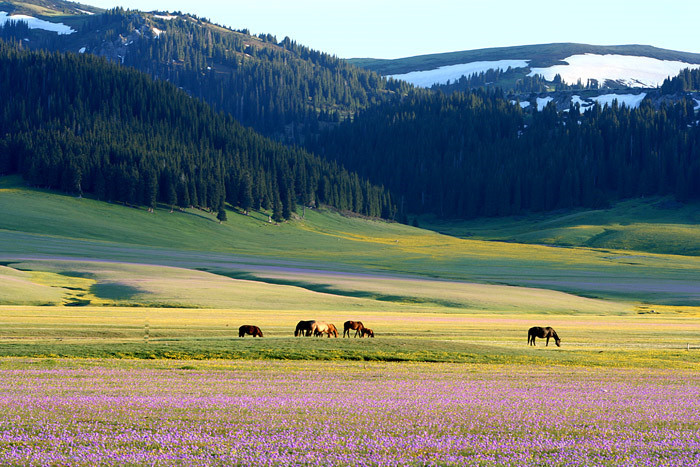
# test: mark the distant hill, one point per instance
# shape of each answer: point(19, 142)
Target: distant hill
point(278, 87)
point(605, 66)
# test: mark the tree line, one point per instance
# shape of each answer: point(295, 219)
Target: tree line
point(82, 125)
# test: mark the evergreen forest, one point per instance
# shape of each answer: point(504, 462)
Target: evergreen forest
point(477, 154)
point(80, 124)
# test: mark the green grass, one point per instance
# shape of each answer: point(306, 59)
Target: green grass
point(632, 340)
point(656, 225)
point(87, 279)
point(42, 224)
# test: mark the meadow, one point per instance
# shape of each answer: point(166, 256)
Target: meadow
point(119, 338)
point(86, 412)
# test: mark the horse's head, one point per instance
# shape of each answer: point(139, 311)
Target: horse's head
point(557, 341)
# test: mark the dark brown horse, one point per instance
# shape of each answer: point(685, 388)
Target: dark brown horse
point(304, 328)
point(542, 333)
point(250, 330)
point(356, 326)
point(367, 332)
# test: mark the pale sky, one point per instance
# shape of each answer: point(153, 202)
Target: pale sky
point(393, 28)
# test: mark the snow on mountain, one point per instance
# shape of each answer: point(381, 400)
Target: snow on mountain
point(542, 102)
point(36, 23)
point(453, 72)
point(629, 70)
point(630, 100)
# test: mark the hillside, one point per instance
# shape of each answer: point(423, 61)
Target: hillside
point(477, 154)
point(330, 253)
point(610, 66)
point(472, 154)
point(278, 87)
point(82, 125)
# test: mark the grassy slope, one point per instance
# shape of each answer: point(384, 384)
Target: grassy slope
point(37, 223)
point(656, 225)
point(394, 278)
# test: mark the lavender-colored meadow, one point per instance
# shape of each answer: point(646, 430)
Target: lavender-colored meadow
point(340, 413)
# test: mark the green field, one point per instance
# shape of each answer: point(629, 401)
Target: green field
point(83, 278)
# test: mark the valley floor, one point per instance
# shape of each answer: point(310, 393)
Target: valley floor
point(116, 412)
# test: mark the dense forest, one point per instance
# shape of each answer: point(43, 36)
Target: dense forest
point(80, 124)
point(687, 80)
point(512, 81)
point(476, 154)
point(281, 89)
point(455, 151)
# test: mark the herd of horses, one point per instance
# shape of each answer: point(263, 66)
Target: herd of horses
point(315, 328)
point(307, 328)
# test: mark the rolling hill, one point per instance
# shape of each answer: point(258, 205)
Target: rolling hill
point(623, 66)
point(349, 256)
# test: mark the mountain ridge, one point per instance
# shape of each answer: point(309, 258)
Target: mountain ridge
point(540, 54)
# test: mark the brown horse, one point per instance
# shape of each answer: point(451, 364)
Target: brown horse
point(542, 333)
point(367, 332)
point(304, 328)
point(356, 326)
point(319, 328)
point(250, 330)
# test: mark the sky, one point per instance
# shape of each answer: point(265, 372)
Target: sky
point(394, 29)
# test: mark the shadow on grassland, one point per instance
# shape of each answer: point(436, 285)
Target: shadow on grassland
point(327, 289)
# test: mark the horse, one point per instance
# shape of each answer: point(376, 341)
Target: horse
point(304, 328)
point(250, 330)
point(542, 333)
point(366, 332)
point(357, 326)
point(319, 328)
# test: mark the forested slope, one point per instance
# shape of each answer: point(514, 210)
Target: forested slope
point(81, 124)
point(476, 154)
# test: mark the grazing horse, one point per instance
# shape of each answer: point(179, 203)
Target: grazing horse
point(320, 327)
point(356, 326)
point(304, 328)
point(250, 330)
point(542, 333)
point(367, 332)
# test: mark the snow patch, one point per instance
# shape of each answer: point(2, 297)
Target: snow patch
point(86, 12)
point(453, 72)
point(542, 102)
point(583, 105)
point(157, 31)
point(630, 100)
point(36, 23)
point(632, 71)
point(82, 50)
point(165, 17)
point(697, 104)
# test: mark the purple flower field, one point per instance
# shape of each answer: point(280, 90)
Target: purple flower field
point(344, 413)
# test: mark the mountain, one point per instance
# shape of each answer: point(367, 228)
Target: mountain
point(280, 88)
point(622, 66)
point(496, 143)
point(80, 124)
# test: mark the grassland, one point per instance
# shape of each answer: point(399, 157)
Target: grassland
point(38, 224)
point(88, 279)
point(653, 225)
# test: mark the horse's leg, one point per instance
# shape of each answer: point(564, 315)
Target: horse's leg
point(547, 344)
